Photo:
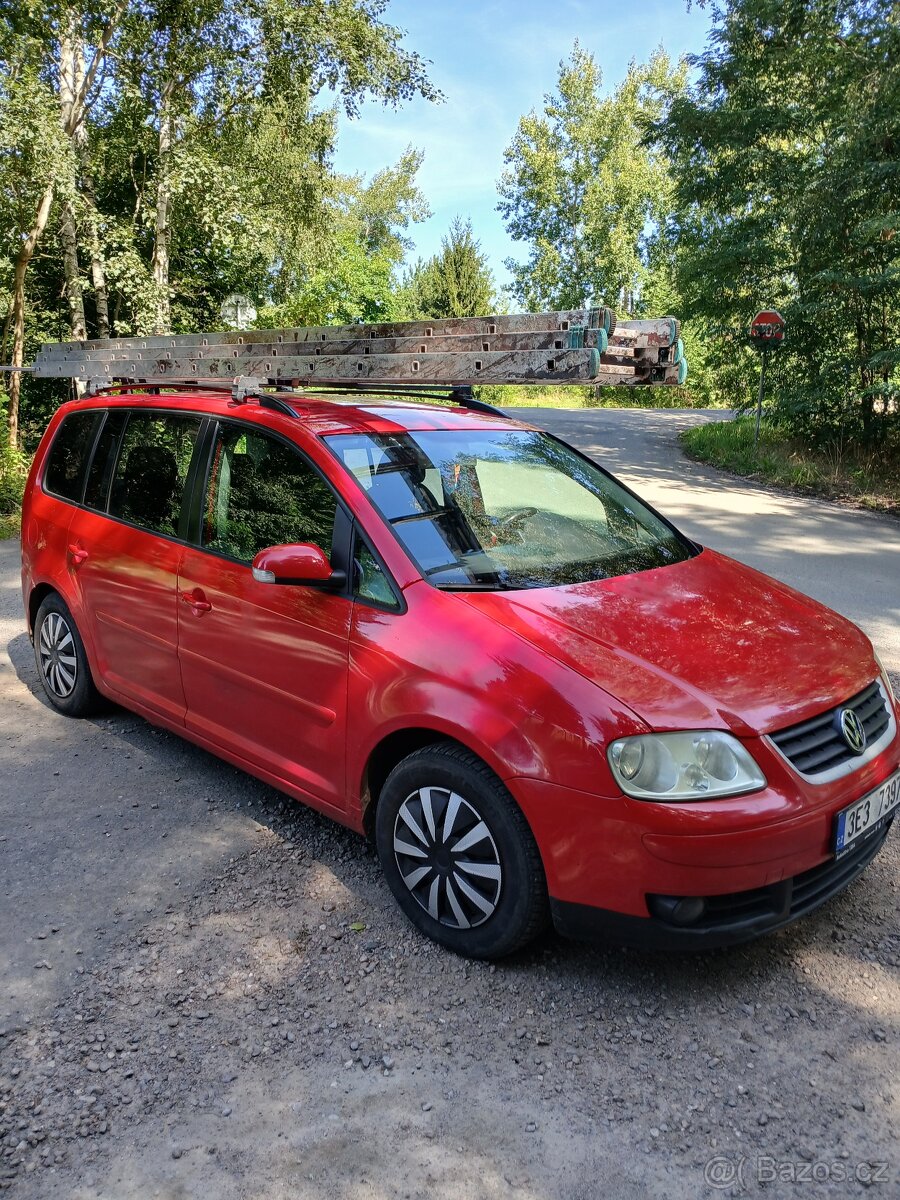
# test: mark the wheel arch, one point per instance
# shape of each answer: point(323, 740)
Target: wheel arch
point(402, 741)
point(386, 754)
point(36, 598)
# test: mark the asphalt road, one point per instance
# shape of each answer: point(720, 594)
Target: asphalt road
point(160, 908)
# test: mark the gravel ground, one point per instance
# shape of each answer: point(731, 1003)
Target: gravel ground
point(207, 991)
point(285, 1033)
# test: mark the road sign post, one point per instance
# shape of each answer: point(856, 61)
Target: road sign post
point(766, 334)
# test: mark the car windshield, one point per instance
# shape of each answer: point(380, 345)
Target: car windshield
point(504, 509)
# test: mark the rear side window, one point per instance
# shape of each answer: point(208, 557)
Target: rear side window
point(96, 492)
point(68, 457)
point(262, 493)
point(152, 467)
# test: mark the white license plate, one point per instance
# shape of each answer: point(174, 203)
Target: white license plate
point(866, 815)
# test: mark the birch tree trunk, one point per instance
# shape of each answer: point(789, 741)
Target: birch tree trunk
point(68, 236)
point(71, 81)
point(92, 221)
point(98, 270)
point(69, 88)
point(160, 265)
point(23, 258)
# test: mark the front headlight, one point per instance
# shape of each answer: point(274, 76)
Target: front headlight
point(697, 765)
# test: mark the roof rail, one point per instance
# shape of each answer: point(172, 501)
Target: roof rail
point(574, 346)
point(461, 395)
point(155, 386)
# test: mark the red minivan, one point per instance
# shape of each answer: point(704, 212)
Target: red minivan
point(455, 633)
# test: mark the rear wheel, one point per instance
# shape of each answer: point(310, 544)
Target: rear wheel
point(61, 660)
point(458, 853)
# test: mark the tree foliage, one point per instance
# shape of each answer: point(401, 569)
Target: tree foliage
point(455, 283)
point(344, 268)
point(582, 189)
point(787, 159)
point(156, 155)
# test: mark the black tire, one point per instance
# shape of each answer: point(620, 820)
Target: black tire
point(62, 664)
point(495, 882)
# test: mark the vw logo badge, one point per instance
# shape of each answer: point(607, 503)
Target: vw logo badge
point(852, 730)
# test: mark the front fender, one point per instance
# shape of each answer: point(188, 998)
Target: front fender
point(443, 666)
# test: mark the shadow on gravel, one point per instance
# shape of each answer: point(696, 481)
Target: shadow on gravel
point(258, 1019)
point(227, 788)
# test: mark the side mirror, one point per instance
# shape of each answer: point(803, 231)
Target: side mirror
point(303, 563)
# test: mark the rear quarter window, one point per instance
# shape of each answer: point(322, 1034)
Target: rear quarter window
point(68, 458)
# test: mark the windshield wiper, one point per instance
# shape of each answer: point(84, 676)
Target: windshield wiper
point(473, 586)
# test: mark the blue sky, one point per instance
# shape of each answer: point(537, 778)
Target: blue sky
point(494, 60)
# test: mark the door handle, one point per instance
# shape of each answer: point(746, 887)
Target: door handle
point(197, 602)
point(78, 554)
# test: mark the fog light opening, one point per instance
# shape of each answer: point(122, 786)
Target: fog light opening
point(677, 910)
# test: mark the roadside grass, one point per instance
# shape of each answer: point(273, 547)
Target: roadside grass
point(540, 396)
point(13, 471)
point(868, 478)
point(10, 526)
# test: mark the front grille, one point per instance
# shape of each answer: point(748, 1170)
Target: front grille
point(814, 887)
point(816, 746)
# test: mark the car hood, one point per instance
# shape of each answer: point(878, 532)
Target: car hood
point(705, 643)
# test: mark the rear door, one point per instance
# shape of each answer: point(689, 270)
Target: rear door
point(126, 547)
point(265, 665)
point(51, 504)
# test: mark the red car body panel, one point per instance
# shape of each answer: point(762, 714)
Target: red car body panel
point(522, 713)
point(302, 687)
point(265, 672)
point(126, 589)
point(610, 851)
point(702, 644)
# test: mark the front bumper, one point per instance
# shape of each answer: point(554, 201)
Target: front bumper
point(729, 918)
point(617, 866)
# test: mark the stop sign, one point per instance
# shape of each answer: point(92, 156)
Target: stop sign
point(767, 329)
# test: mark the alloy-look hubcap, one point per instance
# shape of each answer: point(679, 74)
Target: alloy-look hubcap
point(57, 651)
point(447, 857)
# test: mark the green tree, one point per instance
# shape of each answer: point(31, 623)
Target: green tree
point(455, 283)
point(53, 61)
point(787, 163)
point(209, 73)
point(161, 155)
point(344, 268)
point(582, 187)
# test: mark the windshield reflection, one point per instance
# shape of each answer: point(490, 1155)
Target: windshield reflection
point(485, 509)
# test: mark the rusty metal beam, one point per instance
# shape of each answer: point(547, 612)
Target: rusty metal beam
point(566, 347)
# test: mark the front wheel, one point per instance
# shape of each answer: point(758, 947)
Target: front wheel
point(458, 854)
point(61, 660)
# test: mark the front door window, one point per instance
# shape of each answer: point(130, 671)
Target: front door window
point(262, 493)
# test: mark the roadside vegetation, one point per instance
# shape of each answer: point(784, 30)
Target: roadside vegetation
point(841, 470)
point(589, 397)
point(156, 161)
point(13, 469)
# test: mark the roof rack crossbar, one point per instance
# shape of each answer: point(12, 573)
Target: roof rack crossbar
point(268, 400)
